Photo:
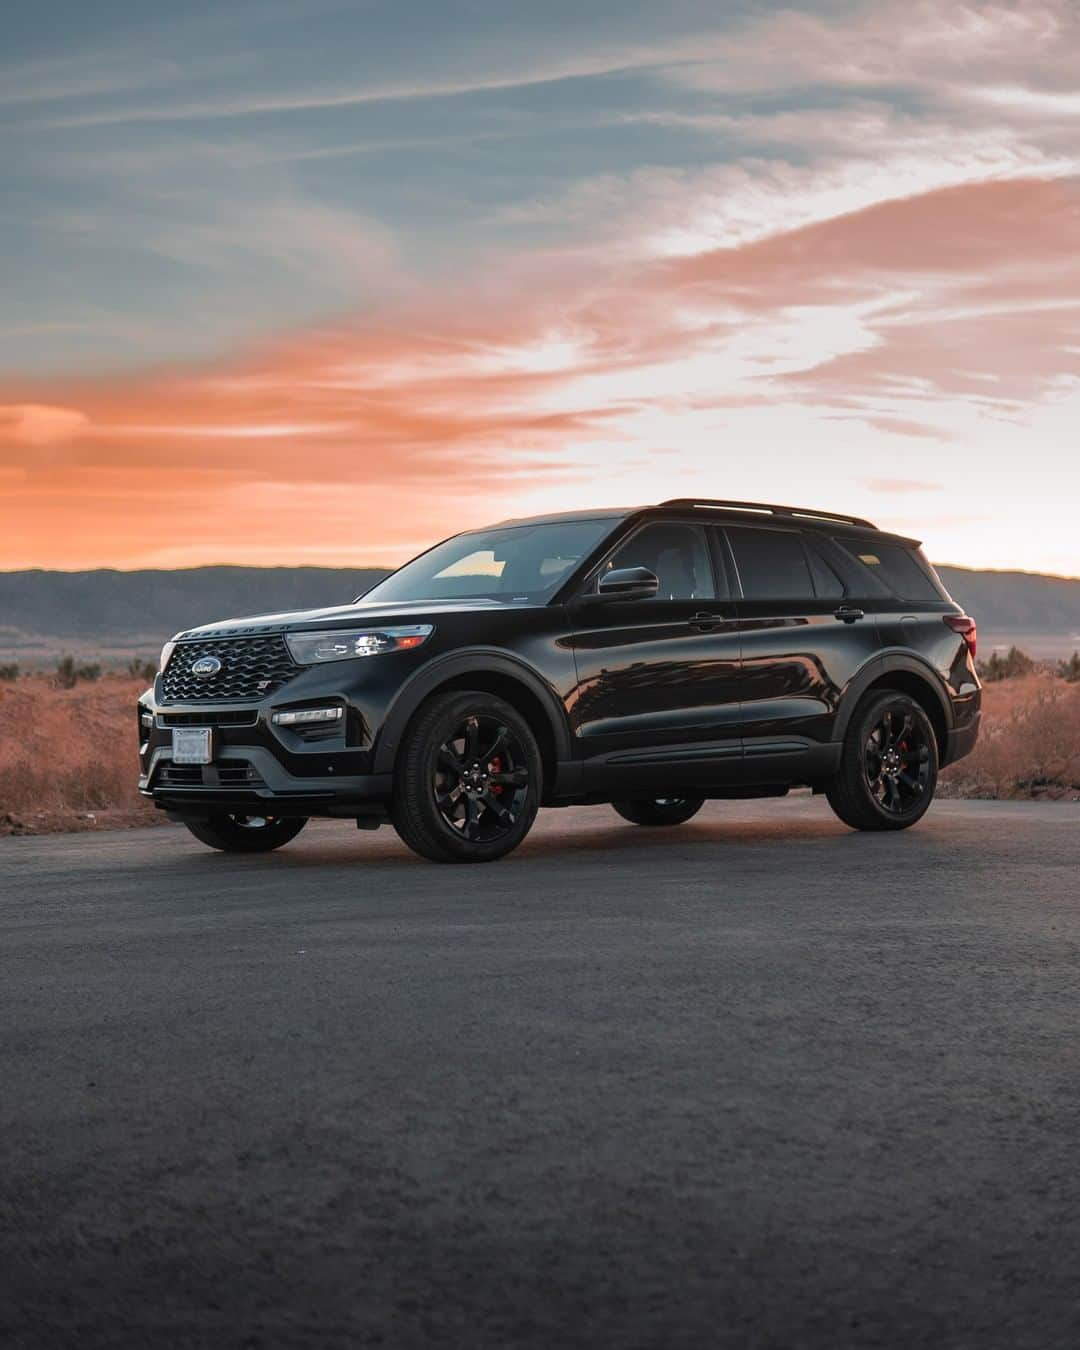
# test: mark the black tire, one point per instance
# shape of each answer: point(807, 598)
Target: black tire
point(468, 779)
point(659, 810)
point(236, 833)
point(888, 766)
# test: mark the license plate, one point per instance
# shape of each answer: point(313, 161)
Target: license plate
point(191, 745)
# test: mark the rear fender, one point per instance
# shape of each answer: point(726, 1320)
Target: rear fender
point(879, 668)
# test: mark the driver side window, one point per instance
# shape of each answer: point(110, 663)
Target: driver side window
point(679, 556)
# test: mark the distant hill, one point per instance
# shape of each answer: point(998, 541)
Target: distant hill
point(1018, 602)
point(109, 611)
point(117, 614)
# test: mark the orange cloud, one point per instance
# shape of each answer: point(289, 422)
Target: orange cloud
point(39, 423)
point(352, 442)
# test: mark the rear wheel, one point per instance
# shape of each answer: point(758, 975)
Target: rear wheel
point(889, 764)
point(245, 834)
point(659, 810)
point(467, 780)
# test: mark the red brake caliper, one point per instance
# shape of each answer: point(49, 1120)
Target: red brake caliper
point(495, 766)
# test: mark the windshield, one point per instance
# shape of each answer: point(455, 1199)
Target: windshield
point(523, 564)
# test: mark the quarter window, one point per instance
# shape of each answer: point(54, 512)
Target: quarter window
point(772, 564)
point(900, 569)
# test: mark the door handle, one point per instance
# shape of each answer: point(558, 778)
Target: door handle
point(848, 614)
point(706, 622)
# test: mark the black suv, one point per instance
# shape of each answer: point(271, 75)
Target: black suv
point(650, 658)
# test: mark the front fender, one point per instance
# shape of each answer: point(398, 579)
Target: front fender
point(443, 669)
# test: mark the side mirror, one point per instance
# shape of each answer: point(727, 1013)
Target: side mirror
point(624, 583)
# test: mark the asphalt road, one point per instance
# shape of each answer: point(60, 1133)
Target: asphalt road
point(758, 1082)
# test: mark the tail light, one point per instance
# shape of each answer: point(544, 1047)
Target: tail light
point(960, 623)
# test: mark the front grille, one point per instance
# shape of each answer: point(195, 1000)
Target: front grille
point(250, 668)
point(181, 775)
point(235, 774)
point(238, 775)
point(211, 717)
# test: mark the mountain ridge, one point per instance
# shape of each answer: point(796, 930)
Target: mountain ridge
point(120, 608)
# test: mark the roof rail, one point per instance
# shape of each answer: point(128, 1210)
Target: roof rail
point(769, 508)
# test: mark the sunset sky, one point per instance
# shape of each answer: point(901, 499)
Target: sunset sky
point(294, 281)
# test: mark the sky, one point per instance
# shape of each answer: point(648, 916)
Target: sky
point(301, 281)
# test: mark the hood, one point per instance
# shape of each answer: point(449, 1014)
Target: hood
point(356, 615)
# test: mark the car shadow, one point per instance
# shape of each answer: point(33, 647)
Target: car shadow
point(552, 840)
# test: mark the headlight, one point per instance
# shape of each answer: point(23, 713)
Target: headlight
point(166, 652)
point(308, 648)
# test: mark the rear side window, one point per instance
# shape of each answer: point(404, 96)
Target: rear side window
point(827, 582)
point(902, 570)
point(772, 564)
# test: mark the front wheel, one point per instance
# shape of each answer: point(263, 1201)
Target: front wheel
point(659, 810)
point(888, 766)
point(467, 780)
point(245, 834)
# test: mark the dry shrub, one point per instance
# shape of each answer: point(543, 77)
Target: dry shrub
point(1029, 744)
point(69, 750)
point(66, 752)
point(1008, 667)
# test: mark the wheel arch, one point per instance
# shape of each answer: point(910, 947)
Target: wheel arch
point(492, 672)
point(907, 675)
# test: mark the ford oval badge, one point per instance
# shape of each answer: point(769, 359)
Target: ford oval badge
point(206, 666)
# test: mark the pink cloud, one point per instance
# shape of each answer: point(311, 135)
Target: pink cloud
point(39, 424)
point(449, 415)
point(895, 485)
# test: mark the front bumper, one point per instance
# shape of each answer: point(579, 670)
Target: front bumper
point(257, 765)
point(249, 776)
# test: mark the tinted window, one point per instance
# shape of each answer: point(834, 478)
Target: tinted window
point(772, 564)
point(678, 554)
point(827, 583)
point(523, 563)
point(900, 569)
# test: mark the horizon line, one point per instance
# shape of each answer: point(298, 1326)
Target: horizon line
point(380, 567)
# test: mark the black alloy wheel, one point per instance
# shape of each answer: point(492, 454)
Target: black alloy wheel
point(659, 810)
point(481, 778)
point(235, 833)
point(889, 764)
point(896, 761)
point(467, 784)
